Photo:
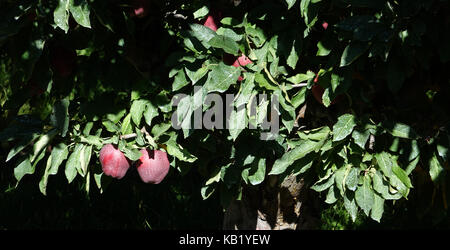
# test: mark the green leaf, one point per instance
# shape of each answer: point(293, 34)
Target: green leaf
point(322, 50)
point(58, 155)
point(43, 141)
point(237, 122)
point(180, 153)
point(137, 110)
point(115, 118)
point(202, 12)
point(257, 172)
point(401, 175)
point(290, 3)
point(19, 146)
point(442, 151)
point(110, 126)
point(126, 125)
point(225, 43)
point(361, 138)
point(352, 52)
point(343, 127)
point(221, 78)
point(92, 140)
point(321, 185)
point(80, 12)
point(400, 130)
point(303, 164)
point(350, 205)
point(159, 129)
point(73, 163)
point(262, 81)
point(23, 169)
point(197, 75)
point(382, 187)
point(293, 55)
point(61, 15)
point(87, 128)
point(298, 78)
point(377, 208)
point(364, 196)
point(331, 196)
point(150, 112)
point(340, 176)
point(385, 163)
point(132, 154)
point(352, 179)
point(300, 151)
point(229, 33)
point(202, 33)
point(60, 116)
point(180, 81)
point(436, 169)
point(85, 158)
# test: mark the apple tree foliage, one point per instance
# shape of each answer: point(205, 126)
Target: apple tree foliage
point(384, 62)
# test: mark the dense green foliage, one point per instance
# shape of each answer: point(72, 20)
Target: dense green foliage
point(78, 74)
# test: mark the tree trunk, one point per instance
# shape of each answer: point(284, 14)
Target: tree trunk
point(289, 206)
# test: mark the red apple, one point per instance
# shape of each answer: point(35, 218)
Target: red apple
point(153, 166)
point(236, 61)
point(325, 25)
point(62, 60)
point(114, 163)
point(210, 23)
point(140, 8)
point(317, 91)
point(242, 61)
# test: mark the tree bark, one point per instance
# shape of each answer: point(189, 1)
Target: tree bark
point(288, 206)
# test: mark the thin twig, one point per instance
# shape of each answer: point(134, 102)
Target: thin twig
point(128, 136)
point(299, 85)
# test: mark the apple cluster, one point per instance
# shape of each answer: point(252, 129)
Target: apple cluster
point(152, 166)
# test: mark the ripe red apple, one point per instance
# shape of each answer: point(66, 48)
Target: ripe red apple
point(153, 166)
point(242, 61)
point(325, 25)
point(113, 161)
point(212, 20)
point(317, 91)
point(210, 23)
point(62, 60)
point(236, 61)
point(140, 8)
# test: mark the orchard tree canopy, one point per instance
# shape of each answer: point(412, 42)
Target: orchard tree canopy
point(348, 95)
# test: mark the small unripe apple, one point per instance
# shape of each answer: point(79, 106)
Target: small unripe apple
point(62, 60)
point(114, 163)
point(153, 166)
